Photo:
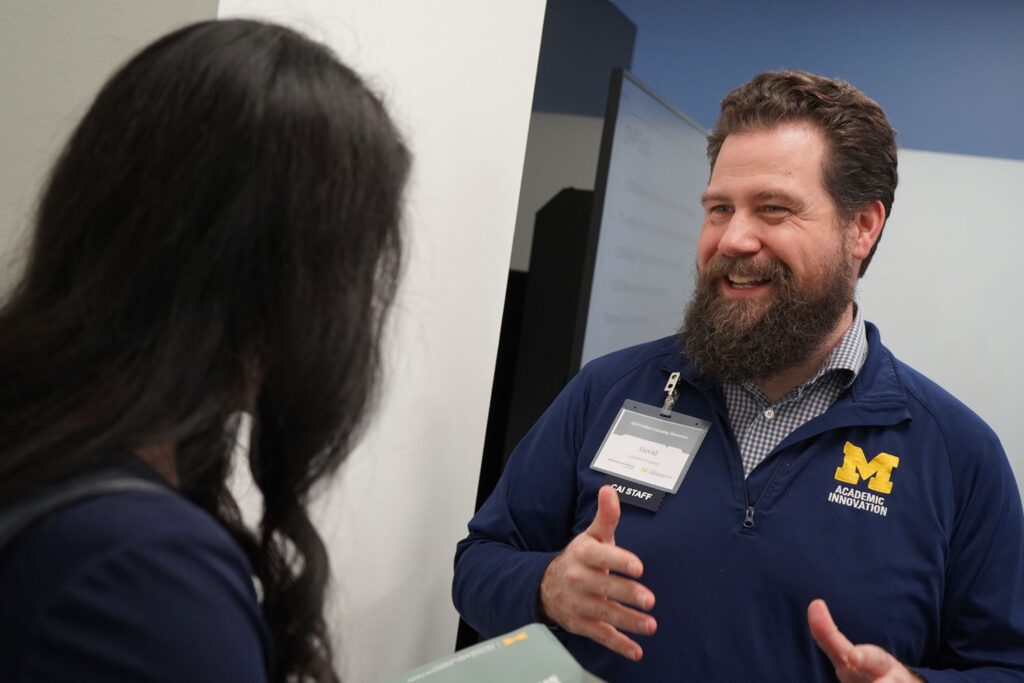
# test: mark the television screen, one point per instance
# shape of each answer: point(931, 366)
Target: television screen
point(647, 217)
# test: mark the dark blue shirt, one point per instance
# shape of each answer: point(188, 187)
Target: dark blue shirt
point(128, 587)
point(897, 506)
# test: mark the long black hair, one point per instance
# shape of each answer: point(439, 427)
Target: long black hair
point(220, 233)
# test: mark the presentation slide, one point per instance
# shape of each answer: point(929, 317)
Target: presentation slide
point(650, 222)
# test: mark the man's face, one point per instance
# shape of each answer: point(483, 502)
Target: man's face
point(775, 271)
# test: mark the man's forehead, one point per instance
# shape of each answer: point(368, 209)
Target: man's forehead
point(780, 159)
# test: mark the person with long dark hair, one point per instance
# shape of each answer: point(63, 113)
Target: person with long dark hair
point(220, 234)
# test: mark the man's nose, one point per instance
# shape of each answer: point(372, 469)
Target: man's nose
point(741, 236)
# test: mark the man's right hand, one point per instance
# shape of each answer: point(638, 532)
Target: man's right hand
point(579, 593)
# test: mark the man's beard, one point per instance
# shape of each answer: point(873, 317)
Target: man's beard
point(749, 339)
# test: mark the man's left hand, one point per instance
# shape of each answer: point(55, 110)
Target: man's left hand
point(854, 663)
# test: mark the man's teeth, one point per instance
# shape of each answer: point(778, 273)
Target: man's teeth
point(745, 282)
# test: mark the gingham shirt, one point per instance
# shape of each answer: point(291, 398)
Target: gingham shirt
point(759, 426)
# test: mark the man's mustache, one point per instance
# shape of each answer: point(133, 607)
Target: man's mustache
point(762, 268)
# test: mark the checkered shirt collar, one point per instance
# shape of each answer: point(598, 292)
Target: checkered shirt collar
point(759, 428)
point(850, 353)
point(846, 357)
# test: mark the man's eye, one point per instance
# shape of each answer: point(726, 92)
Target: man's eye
point(774, 209)
point(720, 208)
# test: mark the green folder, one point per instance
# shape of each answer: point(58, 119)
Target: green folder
point(527, 655)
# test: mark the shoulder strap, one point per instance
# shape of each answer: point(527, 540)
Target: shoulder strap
point(15, 518)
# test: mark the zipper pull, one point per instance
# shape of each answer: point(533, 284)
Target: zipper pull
point(748, 521)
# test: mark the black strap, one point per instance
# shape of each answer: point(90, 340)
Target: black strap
point(16, 518)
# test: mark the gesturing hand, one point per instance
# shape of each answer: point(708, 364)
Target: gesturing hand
point(579, 593)
point(854, 663)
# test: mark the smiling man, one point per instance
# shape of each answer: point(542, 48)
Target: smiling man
point(777, 264)
point(826, 511)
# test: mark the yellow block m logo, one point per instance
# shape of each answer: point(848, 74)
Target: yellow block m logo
point(878, 470)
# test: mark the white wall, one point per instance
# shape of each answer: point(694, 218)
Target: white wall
point(945, 286)
point(54, 56)
point(458, 75)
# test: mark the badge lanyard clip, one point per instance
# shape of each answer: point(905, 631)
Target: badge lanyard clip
point(670, 400)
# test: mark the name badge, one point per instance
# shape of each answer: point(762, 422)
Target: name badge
point(650, 450)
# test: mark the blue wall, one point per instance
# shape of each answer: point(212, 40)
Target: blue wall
point(949, 73)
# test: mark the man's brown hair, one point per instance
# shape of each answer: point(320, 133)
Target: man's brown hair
point(861, 163)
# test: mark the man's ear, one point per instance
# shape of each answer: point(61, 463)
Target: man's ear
point(867, 223)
